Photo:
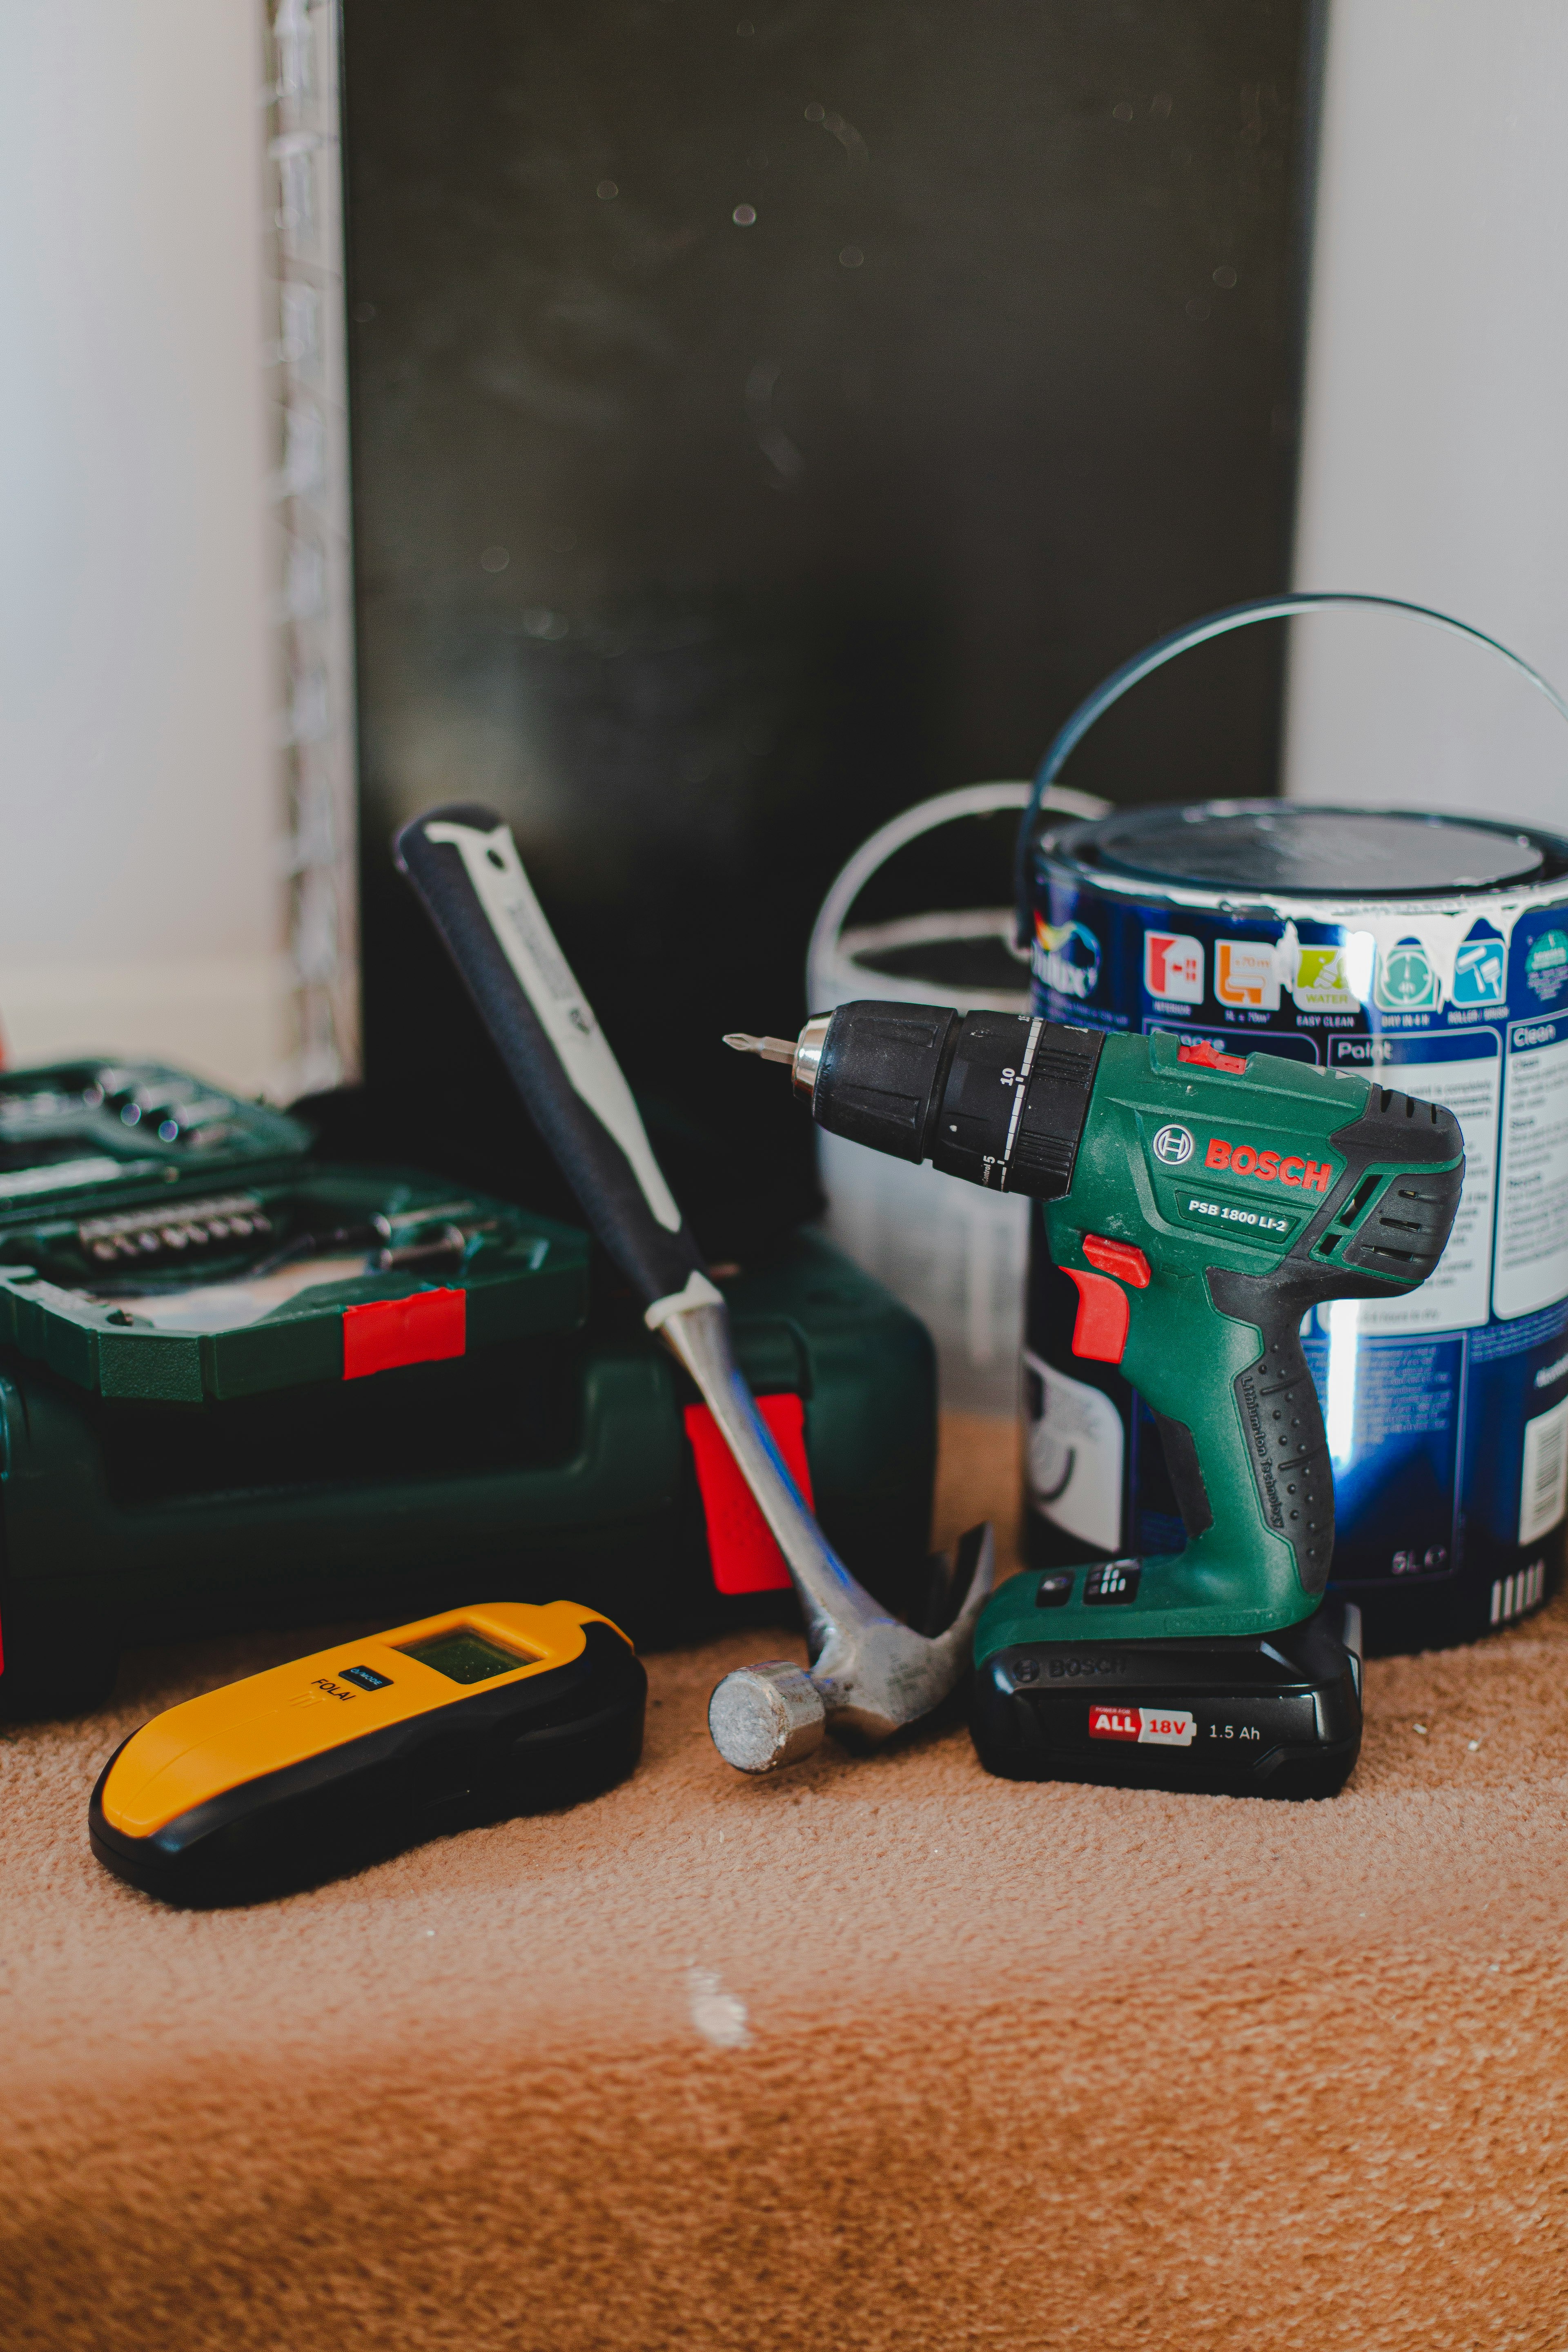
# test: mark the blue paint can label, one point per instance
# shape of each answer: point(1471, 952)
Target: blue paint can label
point(1447, 1411)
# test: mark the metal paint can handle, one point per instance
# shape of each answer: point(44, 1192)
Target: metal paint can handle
point(1179, 641)
point(825, 955)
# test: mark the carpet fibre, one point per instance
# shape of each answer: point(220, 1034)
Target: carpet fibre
point(882, 2055)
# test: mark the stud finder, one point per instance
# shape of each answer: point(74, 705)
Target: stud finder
point(311, 1769)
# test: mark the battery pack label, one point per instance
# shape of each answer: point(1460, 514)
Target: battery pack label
point(1150, 1727)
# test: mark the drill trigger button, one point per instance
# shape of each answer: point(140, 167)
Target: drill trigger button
point(1100, 1333)
point(1207, 1056)
point(1120, 1258)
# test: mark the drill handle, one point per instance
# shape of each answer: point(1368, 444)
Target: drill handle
point(1281, 1420)
point(463, 863)
point(1240, 1423)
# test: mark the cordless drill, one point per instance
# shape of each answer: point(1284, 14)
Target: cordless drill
point(1202, 1204)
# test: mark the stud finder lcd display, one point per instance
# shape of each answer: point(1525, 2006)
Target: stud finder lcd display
point(466, 1656)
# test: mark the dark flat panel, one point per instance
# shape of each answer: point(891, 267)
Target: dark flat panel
point(779, 539)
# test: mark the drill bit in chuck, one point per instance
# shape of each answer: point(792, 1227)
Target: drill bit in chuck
point(772, 1049)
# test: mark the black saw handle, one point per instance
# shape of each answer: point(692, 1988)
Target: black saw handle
point(464, 865)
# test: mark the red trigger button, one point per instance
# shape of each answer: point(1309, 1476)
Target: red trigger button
point(1101, 1330)
point(1208, 1056)
point(1120, 1258)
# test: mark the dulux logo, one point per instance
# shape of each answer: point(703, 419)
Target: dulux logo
point(1066, 958)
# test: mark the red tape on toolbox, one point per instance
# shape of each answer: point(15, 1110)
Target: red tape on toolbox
point(386, 1332)
point(740, 1543)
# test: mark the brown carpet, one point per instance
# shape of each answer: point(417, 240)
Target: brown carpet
point(884, 2053)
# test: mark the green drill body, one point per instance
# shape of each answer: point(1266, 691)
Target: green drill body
point(1203, 1204)
point(1253, 1192)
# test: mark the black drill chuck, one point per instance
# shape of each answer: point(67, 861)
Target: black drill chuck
point(996, 1098)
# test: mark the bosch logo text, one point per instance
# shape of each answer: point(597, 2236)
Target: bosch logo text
point(1173, 1145)
point(1268, 1166)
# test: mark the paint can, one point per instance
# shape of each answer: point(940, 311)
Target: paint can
point(1426, 950)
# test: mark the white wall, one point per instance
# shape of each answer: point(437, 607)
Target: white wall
point(1435, 432)
point(141, 903)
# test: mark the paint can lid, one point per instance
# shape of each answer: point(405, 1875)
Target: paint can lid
point(1291, 848)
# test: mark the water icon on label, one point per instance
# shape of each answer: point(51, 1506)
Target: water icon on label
point(1321, 983)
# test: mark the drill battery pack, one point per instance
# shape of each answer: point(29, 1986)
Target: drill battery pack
point(1275, 1714)
point(244, 1386)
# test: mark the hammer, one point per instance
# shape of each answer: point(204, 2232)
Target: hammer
point(870, 1676)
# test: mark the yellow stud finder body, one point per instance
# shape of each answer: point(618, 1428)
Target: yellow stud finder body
point(316, 1767)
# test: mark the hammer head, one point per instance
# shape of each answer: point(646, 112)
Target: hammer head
point(763, 1717)
point(869, 1679)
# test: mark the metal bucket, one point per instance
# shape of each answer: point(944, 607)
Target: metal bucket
point(1430, 950)
point(955, 1255)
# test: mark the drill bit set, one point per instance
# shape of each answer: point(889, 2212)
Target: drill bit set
point(229, 1294)
point(147, 1237)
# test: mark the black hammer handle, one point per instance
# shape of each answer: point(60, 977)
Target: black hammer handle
point(463, 863)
